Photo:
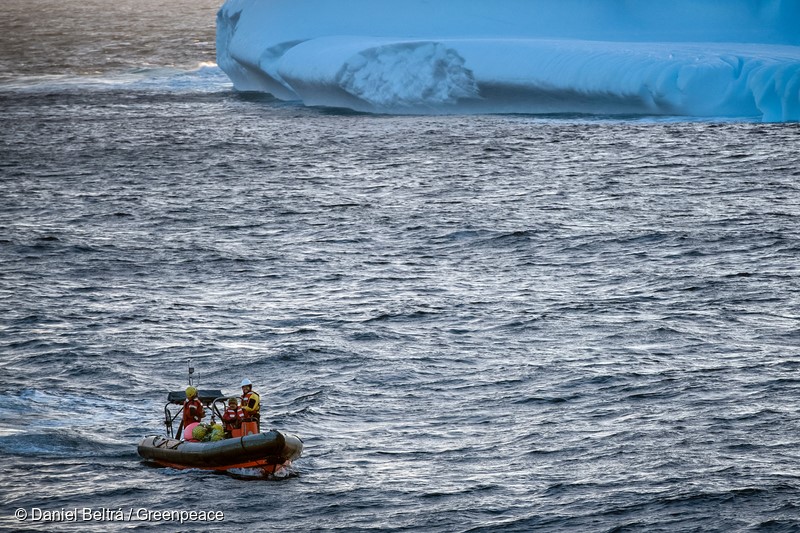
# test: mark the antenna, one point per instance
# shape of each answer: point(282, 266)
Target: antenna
point(191, 371)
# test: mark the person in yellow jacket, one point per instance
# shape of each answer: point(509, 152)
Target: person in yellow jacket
point(251, 403)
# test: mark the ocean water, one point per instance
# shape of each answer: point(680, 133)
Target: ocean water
point(476, 323)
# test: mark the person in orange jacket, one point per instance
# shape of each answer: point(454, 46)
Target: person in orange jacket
point(192, 407)
point(233, 416)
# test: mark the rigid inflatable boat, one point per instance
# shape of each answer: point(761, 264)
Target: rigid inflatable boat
point(267, 451)
point(245, 449)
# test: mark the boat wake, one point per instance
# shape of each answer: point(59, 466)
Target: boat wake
point(282, 472)
point(59, 431)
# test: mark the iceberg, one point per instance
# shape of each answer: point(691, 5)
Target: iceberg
point(695, 58)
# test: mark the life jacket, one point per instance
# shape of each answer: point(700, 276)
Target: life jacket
point(192, 411)
point(232, 418)
point(251, 404)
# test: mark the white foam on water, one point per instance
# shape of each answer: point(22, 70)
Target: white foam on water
point(206, 78)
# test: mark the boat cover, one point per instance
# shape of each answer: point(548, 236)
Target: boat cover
point(206, 396)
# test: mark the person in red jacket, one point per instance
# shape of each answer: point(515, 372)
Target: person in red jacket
point(232, 417)
point(192, 407)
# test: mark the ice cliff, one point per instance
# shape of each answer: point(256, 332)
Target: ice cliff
point(702, 58)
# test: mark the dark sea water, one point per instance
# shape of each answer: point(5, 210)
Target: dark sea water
point(476, 323)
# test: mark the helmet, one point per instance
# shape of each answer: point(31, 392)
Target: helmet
point(232, 401)
point(191, 392)
point(246, 382)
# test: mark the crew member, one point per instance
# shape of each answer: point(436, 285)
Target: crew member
point(192, 407)
point(232, 417)
point(251, 403)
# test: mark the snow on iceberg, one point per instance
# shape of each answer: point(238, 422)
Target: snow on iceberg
point(704, 58)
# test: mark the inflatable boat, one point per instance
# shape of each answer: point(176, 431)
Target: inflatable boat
point(266, 451)
point(248, 448)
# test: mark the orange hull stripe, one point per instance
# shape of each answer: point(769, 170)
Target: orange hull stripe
point(269, 467)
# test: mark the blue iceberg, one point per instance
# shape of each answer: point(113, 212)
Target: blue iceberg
point(696, 58)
